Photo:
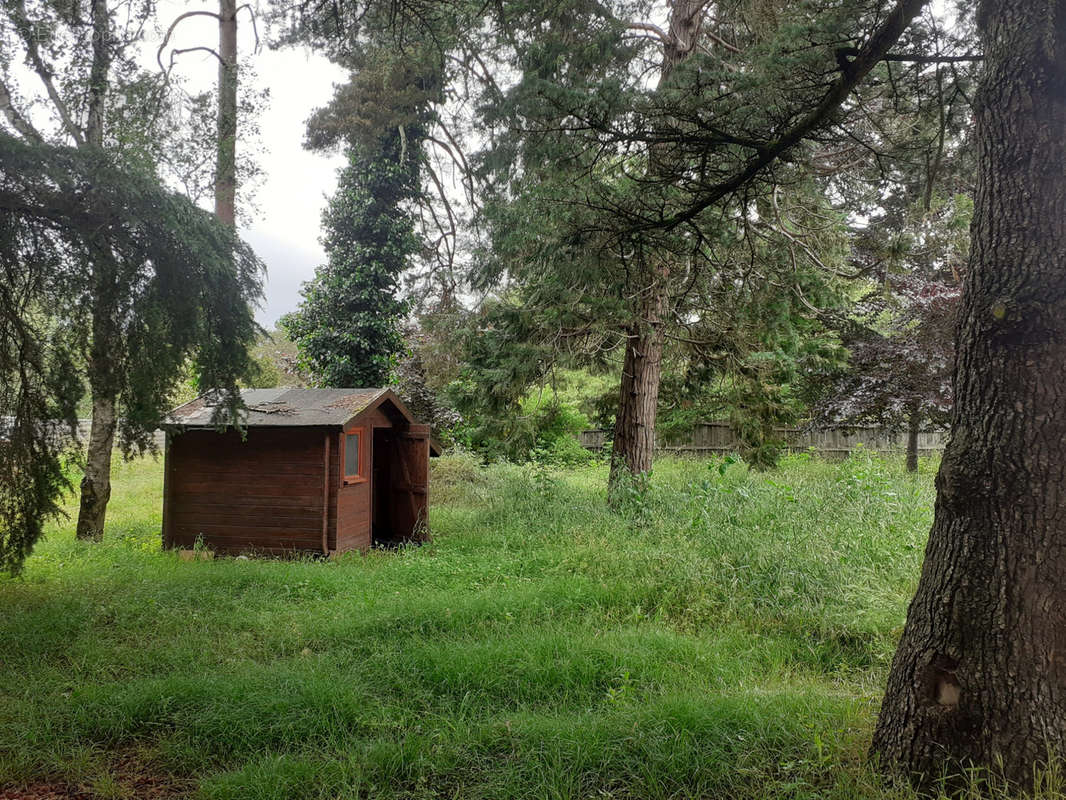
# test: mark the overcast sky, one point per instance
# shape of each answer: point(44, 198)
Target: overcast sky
point(285, 227)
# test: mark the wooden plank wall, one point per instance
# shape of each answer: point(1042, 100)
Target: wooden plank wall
point(717, 437)
point(410, 484)
point(264, 493)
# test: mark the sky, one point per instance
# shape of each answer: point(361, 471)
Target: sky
point(284, 228)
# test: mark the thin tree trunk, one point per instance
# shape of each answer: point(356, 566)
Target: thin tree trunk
point(914, 424)
point(98, 73)
point(980, 673)
point(96, 483)
point(226, 156)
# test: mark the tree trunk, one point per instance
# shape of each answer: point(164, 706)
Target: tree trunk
point(96, 485)
point(914, 424)
point(226, 155)
point(633, 448)
point(980, 673)
point(98, 73)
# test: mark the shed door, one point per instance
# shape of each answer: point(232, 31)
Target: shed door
point(410, 482)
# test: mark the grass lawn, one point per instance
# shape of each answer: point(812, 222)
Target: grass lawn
point(726, 636)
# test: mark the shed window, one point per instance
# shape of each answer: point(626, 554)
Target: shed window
point(353, 452)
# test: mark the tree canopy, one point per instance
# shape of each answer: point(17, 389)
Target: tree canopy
point(182, 287)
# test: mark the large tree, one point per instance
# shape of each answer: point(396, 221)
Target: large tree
point(977, 676)
point(82, 66)
point(650, 203)
point(181, 289)
point(348, 328)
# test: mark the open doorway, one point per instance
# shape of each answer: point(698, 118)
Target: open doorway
point(381, 514)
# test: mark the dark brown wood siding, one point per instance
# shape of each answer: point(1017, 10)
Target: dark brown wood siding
point(410, 484)
point(262, 493)
point(271, 491)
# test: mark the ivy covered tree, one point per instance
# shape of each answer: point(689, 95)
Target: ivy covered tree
point(348, 329)
point(349, 326)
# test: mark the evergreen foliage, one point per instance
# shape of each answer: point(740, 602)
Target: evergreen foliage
point(180, 286)
point(348, 327)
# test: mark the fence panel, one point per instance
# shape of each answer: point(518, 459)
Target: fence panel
point(718, 437)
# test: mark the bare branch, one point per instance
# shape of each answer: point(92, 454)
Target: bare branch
point(174, 25)
point(714, 37)
point(182, 50)
point(18, 122)
point(650, 28)
point(255, 28)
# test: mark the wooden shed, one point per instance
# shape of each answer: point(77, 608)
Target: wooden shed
point(317, 470)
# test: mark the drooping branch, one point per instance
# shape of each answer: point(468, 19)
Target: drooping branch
point(255, 28)
point(170, 32)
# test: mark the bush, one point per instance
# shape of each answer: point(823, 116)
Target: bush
point(455, 475)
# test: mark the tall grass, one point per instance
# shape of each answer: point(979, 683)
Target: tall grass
point(727, 634)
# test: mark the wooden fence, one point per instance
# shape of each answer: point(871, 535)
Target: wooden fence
point(718, 437)
point(84, 425)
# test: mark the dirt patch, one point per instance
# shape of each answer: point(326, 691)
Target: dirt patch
point(128, 778)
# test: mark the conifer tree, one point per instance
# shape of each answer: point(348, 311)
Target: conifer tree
point(182, 289)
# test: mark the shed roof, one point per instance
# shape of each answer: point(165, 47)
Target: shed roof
point(287, 407)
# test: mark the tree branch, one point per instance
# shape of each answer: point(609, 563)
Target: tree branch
point(182, 50)
point(852, 73)
point(255, 28)
point(650, 28)
point(912, 58)
point(29, 39)
point(170, 32)
point(18, 122)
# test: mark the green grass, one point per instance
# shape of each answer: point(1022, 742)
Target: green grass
point(726, 635)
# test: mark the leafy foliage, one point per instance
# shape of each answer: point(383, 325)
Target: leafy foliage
point(347, 329)
point(901, 332)
point(179, 285)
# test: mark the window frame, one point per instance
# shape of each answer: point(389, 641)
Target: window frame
point(360, 476)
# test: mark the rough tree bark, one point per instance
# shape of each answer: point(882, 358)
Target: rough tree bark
point(634, 428)
point(633, 448)
point(980, 673)
point(96, 483)
point(226, 156)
